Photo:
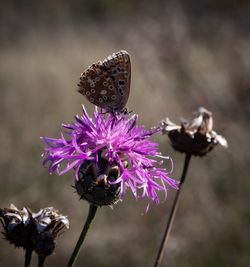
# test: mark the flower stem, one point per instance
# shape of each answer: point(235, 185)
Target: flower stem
point(172, 213)
point(28, 254)
point(41, 260)
point(75, 254)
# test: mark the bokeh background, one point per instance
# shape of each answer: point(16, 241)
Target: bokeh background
point(185, 54)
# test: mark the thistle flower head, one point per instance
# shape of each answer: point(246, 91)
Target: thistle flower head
point(108, 153)
point(194, 136)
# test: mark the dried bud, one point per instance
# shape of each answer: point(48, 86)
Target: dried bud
point(194, 136)
point(33, 231)
point(96, 182)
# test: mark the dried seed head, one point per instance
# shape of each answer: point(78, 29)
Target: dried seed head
point(33, 231)
point(44, 244)
point(194, 136)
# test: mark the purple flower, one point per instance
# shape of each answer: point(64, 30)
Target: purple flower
point(113, 140)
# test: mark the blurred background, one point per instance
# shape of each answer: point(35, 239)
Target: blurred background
point(185, 54)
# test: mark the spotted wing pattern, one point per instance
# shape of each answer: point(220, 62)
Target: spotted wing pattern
point(106, 83)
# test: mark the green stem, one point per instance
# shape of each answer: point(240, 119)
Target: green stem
point(172, 213)
point(75, 254)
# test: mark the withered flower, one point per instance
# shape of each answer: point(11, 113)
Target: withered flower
point(194, 136)
point(33, 231)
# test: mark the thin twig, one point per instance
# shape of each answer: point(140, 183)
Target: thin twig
point(172, 213)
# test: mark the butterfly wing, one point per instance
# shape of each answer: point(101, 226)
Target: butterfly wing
point(118, 67)
point(107, 83)
point(96, 86)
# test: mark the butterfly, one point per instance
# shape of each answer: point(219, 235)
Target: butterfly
point(106, 83)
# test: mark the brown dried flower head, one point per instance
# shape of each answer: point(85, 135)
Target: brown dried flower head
point(194, 136)
point(33, 231)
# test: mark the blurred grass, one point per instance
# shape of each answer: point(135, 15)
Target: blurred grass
point(183, 56)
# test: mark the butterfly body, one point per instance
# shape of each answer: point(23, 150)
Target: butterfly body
point(106, 83)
